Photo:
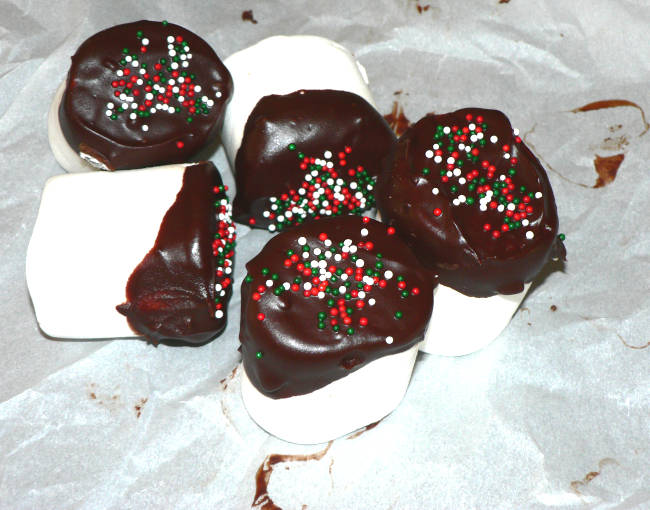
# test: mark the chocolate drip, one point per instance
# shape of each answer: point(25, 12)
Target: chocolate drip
point(123, 142)
point(290, 345)
point(171, 293)
point(454, 240)
point(314, 121)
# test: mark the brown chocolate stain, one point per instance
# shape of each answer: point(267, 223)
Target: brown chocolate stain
point(504, 1)
point(553, 308)
point(138, 407)
point(422, 8)
point(92, 395)
point(224, 382)
point(364, 429)
point(248, 16)
point(606, 168)
point(262, 499)
point(614, 103)
point(629, 346)
point(396, 119)
point(576, 485)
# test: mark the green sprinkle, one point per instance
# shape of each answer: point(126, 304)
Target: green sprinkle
point(292, 147)
point(248, 278)
point(562, 237)
point(265, 271)
point(259, 354)
point(350, 331)
point(398, 315)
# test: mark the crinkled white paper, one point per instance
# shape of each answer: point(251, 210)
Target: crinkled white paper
point(555, 413)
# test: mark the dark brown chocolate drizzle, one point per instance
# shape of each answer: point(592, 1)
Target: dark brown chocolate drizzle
point(454, 244)
point(315, 121)
point(121, 143)
point(171, 293)
point(297, 357)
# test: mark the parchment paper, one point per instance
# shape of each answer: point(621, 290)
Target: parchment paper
point(555, 413)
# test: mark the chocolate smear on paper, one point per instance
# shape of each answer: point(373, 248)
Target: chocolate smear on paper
point(362, 430)
point(248, 16)
point(262, 499)
point(396, 119)
point(614, 103)
point(606, 168)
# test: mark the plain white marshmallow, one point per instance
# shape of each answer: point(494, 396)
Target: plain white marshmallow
point(462, 324)
point(282, 65)
point(343, 406)
point(92, 230)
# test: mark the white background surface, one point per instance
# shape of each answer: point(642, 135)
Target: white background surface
point(555, 413)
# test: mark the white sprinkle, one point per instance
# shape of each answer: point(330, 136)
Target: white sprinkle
point(511, 206)
point(327, 154)
point(128, 58)
point(450, 160)
point(456, 172)
point(506, 155)
point(109, 113)
point(321, 295)
point(529, 234)
point(185, 64)
point(133, 116)
point(197, 88)
point(435, 191)
point(462, 198)
point(302, 241)
point(371, 301)
point(538, 194)
point(307, 286)
point(170, 38)
point(450, 173)
point(343, 289)
point(344, 276)
point(328, 242)
point(515, 131)
point(482, 207)
point(317, 251)
point(145, 127)
point(353, 249)
point(272, 229)
point(462, 180)
point(388, 274)
point(145, 42)
point(502, 177)
point(172, 53)
point(472, 126)
point(389, 340)
point(456, 201)
point(269, 283)
point(364, 232)
point(133, 106)
point(525, 222)
point(337, 257)
point(500, 208)
point(110, 106)
point(218, 314)
point(218, 93)
point(473, 138)
point(429, 154)
point(446, 130)
point(322, 264)
point(494, 139)
point(359, 263)
point(286, 285)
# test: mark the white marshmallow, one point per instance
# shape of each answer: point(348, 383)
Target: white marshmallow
point(462, 324)
point(282, 65)
point(343, 406)
point(92, 230)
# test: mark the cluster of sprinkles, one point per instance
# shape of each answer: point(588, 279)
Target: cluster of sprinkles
point(474, 181)
point(327, 189)
point(166, 87)
point(223, 247)
point(336, 274)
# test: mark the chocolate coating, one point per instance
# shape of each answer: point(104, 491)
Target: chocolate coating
point(471, 249)
point(171, 294)
point(315, 121)
point(121, 142)
point(300, 350)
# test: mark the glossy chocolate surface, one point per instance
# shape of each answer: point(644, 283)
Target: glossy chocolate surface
point(179, 293)
point(282, 131)
point(103, 79)
point(445, 167)
point(294, 332)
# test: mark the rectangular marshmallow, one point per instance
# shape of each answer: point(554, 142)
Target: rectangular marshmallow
point(92, 230)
